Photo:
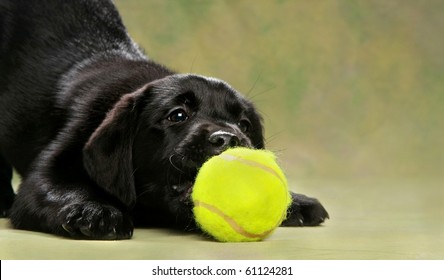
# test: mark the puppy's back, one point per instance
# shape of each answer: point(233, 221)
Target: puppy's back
point(43, 44)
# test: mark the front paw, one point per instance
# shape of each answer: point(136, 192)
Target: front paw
point(305, 211)
point(92, 220)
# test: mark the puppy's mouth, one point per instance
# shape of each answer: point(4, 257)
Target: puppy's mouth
point(183, 191)
point(189, 170)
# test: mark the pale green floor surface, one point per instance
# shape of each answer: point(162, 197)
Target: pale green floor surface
point(386, 219)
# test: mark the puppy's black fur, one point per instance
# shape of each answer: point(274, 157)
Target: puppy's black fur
point(102, 136)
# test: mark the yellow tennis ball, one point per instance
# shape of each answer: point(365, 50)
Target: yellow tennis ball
point(240, 195)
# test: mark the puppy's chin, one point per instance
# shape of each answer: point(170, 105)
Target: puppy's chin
point(179, 192)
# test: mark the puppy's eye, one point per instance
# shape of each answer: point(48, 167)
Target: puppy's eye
point(177, 116)
point(244, 125)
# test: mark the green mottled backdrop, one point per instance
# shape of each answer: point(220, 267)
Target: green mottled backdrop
point(347, 88)
point(352, 94)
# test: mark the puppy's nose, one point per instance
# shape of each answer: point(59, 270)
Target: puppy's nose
point(224, 139)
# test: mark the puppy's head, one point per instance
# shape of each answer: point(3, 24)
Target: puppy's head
point(162, 134)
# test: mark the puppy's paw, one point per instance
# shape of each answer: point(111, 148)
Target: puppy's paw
point(92, 220)
point(305, 211)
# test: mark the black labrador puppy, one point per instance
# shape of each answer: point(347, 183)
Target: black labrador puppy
point(103, 137)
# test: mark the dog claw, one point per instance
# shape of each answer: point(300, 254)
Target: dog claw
point(86, 230)
point(111, 235)
point(68, 229)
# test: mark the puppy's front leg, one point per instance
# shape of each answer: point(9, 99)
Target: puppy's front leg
point(305, 211)
point(69, 209)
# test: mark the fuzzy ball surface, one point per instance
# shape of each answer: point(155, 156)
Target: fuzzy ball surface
point(240, 195)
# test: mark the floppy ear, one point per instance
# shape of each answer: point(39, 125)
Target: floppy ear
point(107, 156)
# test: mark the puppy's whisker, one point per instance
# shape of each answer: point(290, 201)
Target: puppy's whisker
point(261, 92)
point(271, 138)
point(142, 193)
point(134, 172)
point(253, 86)
point(175, 150)
point(192, 63)
point(172, 163)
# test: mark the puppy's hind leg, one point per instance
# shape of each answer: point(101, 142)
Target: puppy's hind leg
point(6, 192)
